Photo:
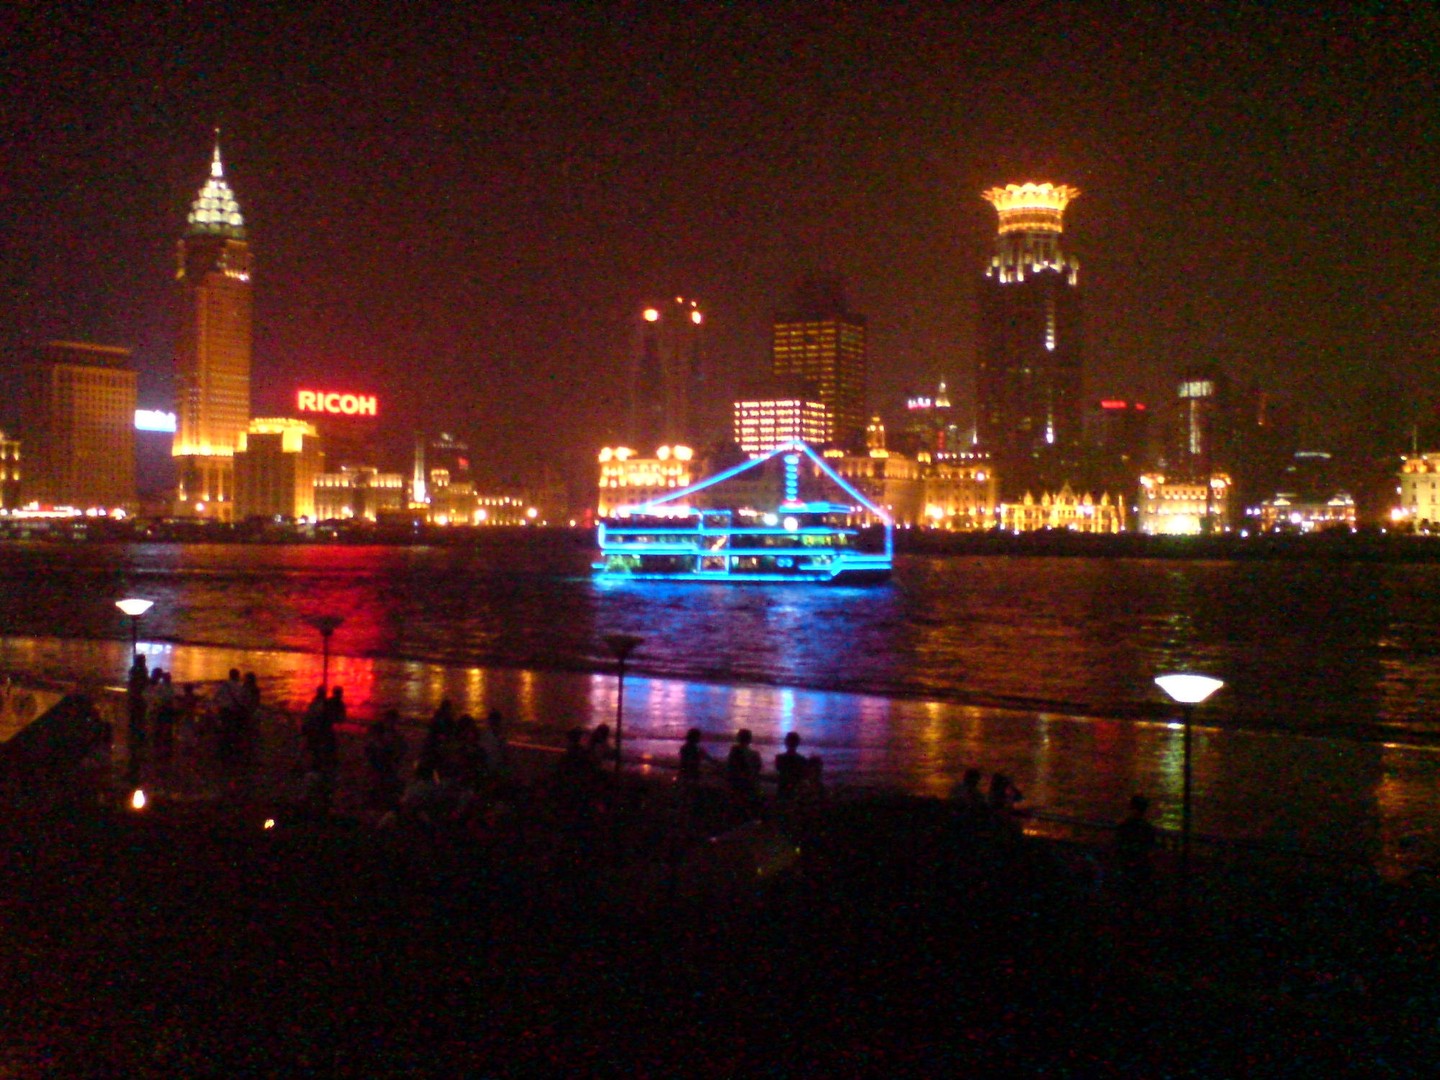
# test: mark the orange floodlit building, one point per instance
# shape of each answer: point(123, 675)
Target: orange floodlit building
point(1028, 382)
point(213, 358)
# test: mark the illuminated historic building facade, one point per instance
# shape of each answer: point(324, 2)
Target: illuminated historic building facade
point(1064, 509)
point(627, 479)
point(767, 415)
point(667, 369)
point(1028, 383)
point(213, 355)
point(1297, 514)
point(78, 427)
point(1184, 507)
point(276, 464)
point(9, 472)
point(1419, 492)
point(894, 482)
point(821, 344)
point(362, 493)
point(961, 494)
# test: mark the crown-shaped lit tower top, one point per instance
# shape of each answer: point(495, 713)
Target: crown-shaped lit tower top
point(215, 211)
point(1031, 221)
point(1031, 207)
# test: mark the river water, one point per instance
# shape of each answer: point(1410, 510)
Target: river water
point(1325, 736)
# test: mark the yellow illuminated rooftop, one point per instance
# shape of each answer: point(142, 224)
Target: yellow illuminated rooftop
point(215, 211)
point(1030, 207)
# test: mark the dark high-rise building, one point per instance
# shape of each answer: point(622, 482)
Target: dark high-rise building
point(667, 369)
point(213, 354)
point(930, 425)
point(821, 343)
point(441, 461)
point(1028, 405)
point(1117, 441)
point(78, 427)
point(1203, 434)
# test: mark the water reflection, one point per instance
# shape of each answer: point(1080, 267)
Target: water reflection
point(1318, 794)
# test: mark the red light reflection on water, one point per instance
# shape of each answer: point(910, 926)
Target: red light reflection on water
point(341, 582)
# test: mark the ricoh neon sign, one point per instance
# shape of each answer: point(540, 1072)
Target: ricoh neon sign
point(337, 404)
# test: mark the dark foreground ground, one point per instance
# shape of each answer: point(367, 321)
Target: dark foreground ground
point(191, 941)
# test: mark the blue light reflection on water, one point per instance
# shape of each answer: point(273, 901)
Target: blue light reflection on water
point(1343, 650)
point(1302, 646)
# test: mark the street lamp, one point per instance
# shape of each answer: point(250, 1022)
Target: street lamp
point(327, 625)
point(622, 645)
point(134, 607)
point(1187, 690)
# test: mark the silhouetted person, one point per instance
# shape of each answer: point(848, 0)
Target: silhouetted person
point(250, 713)
point(187, 709)
point(790, 768)
point(600, 747)
point(578, 778)
point(230, 716)
point(322, 750)
point(384, 751)
point(335, 707)
point(462, 766)
point(742, 767)
point(153, 690)
point(497, 749)
point(136, 684)
point(438, 735)
point(693, 756)
point(969, 796)
point(1004, 795)
point(163, 711)
point(1135, 841)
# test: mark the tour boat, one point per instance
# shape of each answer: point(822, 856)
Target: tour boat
point(775, 531)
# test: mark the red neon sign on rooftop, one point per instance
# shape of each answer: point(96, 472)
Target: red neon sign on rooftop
point(322, 401)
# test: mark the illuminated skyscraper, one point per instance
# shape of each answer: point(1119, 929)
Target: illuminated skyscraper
point(1028, 406)
point(213, 354)
point(768, 414)
point(275, 469)
point(821, 343)
point(667, 369)
point(78, 427)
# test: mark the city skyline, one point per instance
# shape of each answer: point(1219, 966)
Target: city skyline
point(465, 211)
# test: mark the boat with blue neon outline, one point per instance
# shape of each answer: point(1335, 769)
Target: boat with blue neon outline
point(765, 520)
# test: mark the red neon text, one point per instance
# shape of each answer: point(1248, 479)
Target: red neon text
point(340, 404)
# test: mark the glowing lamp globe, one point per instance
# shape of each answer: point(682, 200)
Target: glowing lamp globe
point(134, 607)
point(1188, 689)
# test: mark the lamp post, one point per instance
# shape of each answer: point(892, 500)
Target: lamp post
point(327, 625)
point(1187, 690)
point(621, 645)
point(134, 607)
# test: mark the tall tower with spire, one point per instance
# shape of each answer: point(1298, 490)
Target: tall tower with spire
point(1028, 385)
point(213, 356)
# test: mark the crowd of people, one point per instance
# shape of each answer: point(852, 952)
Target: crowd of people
point(462, 766)
point(156, 712)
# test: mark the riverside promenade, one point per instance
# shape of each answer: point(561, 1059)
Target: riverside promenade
point(903, 937)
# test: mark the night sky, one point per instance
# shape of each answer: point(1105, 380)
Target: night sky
point(464, 211)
